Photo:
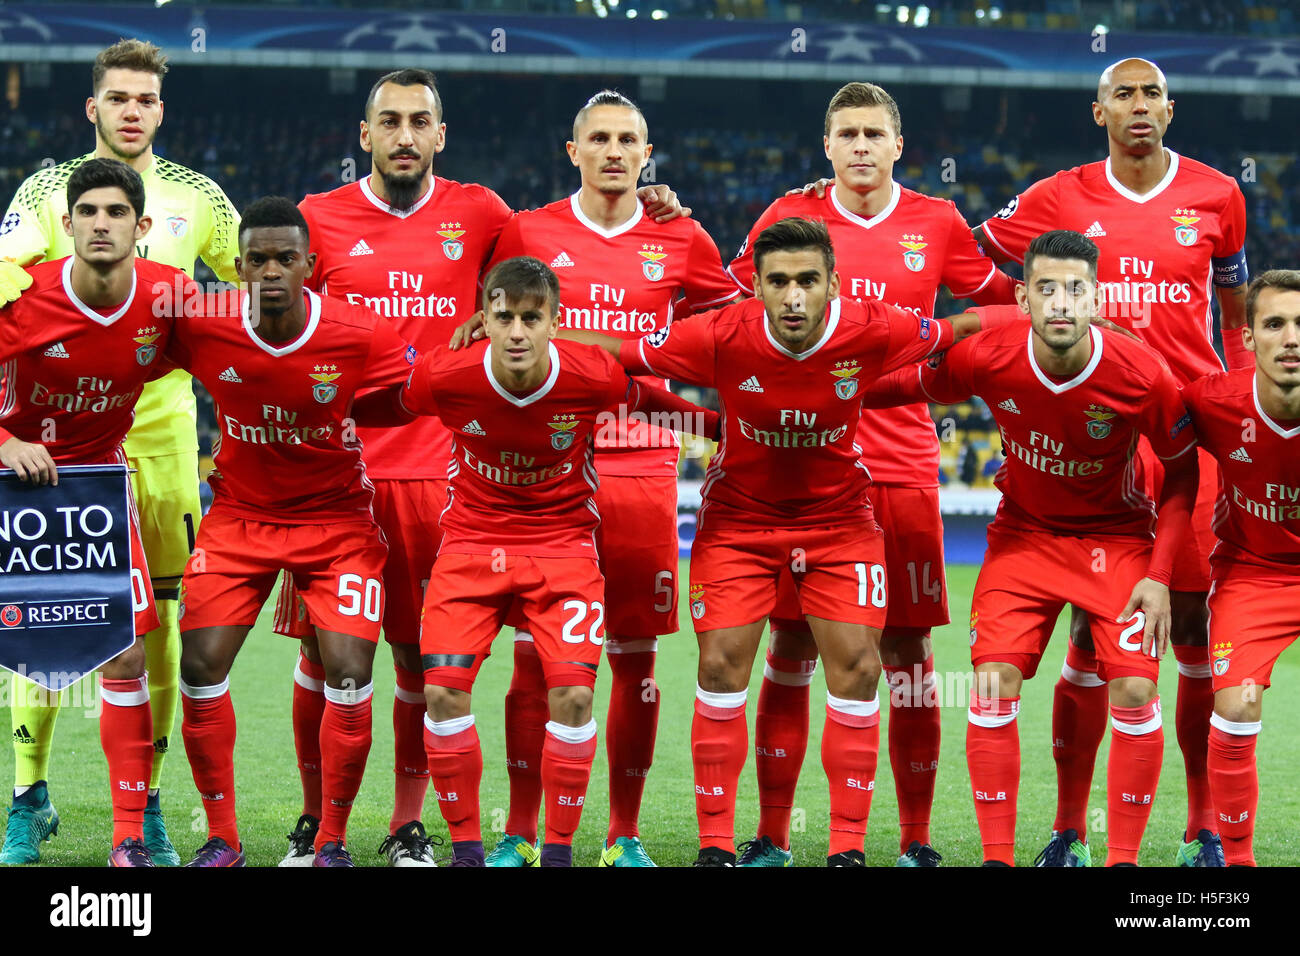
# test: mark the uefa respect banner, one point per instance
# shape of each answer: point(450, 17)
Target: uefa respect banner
point(67, 595)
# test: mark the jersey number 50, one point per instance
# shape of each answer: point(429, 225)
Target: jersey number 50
point(368, 605)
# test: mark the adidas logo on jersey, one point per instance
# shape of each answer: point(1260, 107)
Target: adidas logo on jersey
point(56, 351)
point(361, 249)
point(1095, 230)
point(1240, 455)
point(474, 428)
point(1009, 406)
point(230, 375)
point(561, 261)
point(751, 384)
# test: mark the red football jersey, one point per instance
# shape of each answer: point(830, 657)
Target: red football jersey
point(900, 256)
point(417, 268)
point(1155, 268)
point(73, 373)
point(787, 456)
point(623, 282)
point(1070, 465)
point(284, 451)
point(521, 475)
point(1257, 517)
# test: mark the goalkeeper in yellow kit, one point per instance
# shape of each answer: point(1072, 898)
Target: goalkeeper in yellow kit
point(192, 219)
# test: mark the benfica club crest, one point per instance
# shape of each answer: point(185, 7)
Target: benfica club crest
point(1185, 221)
point(697, 601)
point(846, 384)
point(145, 339)
point(562, 427)
point(178, 225)
point(1099, 421)
point(325, 376)
point(652, 257)
point(452, 247)
point(913, 256)
point(1221, 650)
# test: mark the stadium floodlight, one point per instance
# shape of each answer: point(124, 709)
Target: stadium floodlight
point(979, 14)
point(161, 3)
point(903, 13)
point(1100, 29)
point(631, 14)
point(995, 13)
point(883, 9)
point(659, 15)
point(922, 18)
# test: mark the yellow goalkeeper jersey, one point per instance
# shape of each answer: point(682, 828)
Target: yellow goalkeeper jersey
point(192, 219)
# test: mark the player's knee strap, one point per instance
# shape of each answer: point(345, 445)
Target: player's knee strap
point(1247, 728)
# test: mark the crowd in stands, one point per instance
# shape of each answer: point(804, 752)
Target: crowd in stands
point(727, 167)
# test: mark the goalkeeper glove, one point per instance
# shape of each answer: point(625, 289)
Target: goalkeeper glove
point(13, 279)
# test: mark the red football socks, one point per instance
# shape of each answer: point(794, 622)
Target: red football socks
point(1234, 780)
point(567, 755)
point(1137, 744)
point(719, 739)
point(1079, 709)
point(456, 766)
point(344, 746)
point(126, 734)
point(526, 714)
point(850, 747)
point(780, 742)
point(411, 766)
point(1192, 720)
point(914, 728)
point(993, 758)
point(308, 709)
point(208, 728)
point(630, 730)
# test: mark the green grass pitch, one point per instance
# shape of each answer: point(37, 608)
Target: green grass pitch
point(269, 797)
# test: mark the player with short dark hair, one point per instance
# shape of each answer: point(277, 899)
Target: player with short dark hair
point(620, 272)
point(71, 403)
point(1249, 420)
point(898, 246)
point(289, 491)
point(786, 491)
point(192, 219)
point(1070, 400)
point(519, 527)
point(1169, 229)
point(411, 245)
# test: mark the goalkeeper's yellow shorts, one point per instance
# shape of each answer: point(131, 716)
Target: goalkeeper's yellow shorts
point(167, 498)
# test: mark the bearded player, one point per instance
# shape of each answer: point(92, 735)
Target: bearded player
point(1169, 228)
point(1070, 401)
point(520, 526)
point(103, 313)
point(897, 246)
point(1249, 420)
point(289, 491)
point(620, 272)
point(192, 219)
point(410, 245)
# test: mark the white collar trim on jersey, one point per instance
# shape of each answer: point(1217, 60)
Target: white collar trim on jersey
point(383, 206)
point(1160, 187)
point(895, 191)
point(1079, 379)
point(313, 320)
point(832, 320)
point(532, 396)
point(601, 230)
point(1284, 432)
point(87, 311)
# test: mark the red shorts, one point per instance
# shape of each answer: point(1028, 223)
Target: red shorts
point(1192, 562)
point(913, 562)
point(1029, 577)
point(838, 574)
point(637, 543)
point(1254, 617)
point(407, 511)
point(337, 570)
point(142, 600)
point(561, 600)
